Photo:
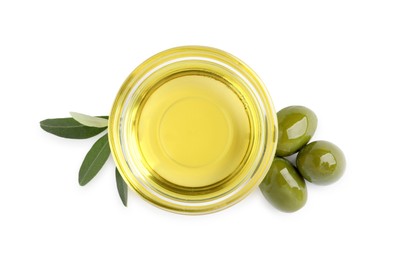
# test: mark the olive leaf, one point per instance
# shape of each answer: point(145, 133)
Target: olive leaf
point(122, 187)
point(70, 128)
point(94, 160)
point(91, 121)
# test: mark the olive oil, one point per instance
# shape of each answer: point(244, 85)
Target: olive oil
point(193, 131)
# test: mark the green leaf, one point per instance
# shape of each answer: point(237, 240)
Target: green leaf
point(122, 187)
point(94, 160)
point(69, 128)
point(91, 121)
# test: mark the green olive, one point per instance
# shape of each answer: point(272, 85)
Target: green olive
point(321, 162)
point(283, 187)
point(296, 124)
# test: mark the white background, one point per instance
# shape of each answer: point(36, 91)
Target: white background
point(336, 57)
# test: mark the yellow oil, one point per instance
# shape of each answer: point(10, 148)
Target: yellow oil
point(193, 130)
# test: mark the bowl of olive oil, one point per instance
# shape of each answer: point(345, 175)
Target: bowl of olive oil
point(193, 130)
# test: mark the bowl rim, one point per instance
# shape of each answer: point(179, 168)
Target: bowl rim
point(121, 100)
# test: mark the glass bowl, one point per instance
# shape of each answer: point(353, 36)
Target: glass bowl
point(193, 130)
